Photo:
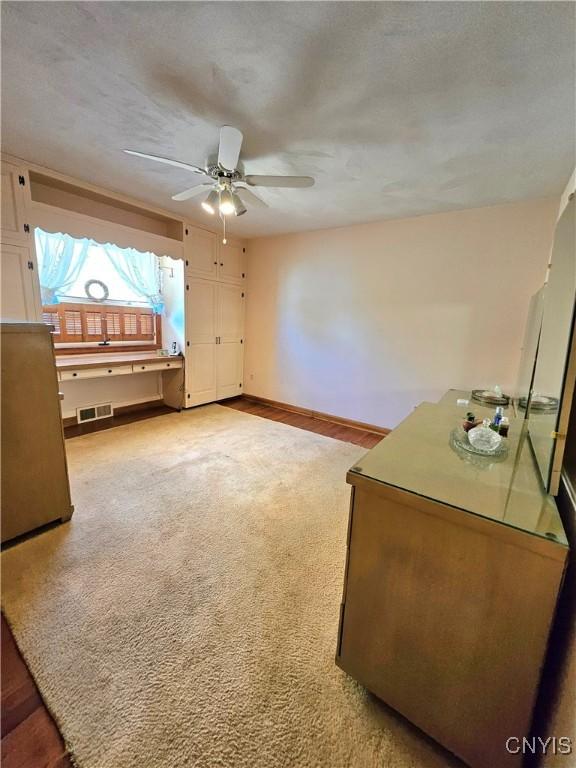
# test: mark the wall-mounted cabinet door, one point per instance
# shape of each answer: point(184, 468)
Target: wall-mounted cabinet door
point(229, 365)
point(20, 290)
point(200, 252)
point(200, 369)
point(201, 310)
point(13, 217)
point(231, 263)
point(230, 313)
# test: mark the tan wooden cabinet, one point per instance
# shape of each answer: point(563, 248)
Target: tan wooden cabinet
point(453, 569)
point(35, 488)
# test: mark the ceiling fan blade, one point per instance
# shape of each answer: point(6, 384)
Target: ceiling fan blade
point(166, 161)
point(280, 181)
point(195, 190)
point(249, 197)
point(229, 149)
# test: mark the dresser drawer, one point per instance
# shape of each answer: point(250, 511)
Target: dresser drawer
point(95, 373)
point(157, 365)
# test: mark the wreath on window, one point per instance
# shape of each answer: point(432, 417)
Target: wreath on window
point(96, 290)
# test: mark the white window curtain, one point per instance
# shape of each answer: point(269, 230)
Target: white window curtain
point(140, 271)
point(60, 259)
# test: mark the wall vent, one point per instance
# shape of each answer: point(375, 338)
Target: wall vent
point(94, 412)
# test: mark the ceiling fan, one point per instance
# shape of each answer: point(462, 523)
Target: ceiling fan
point(229, 184)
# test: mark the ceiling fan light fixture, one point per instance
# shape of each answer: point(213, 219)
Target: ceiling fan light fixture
point(211, 202)
point(239, 207)
point(226, 202)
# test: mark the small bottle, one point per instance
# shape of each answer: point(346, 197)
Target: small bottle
point(504, 426)
point(497, 418)
point(469, 421)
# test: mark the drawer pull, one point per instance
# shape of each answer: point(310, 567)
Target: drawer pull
point(167, 365)
point(143, 367)
point(109, 370)
point(74, 374)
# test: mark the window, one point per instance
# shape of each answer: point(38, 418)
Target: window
point(94, 293)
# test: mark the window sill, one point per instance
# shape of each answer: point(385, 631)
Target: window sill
point(112, 347)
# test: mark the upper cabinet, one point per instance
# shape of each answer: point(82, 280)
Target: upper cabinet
point(20, 287)
point(14, 227)
point(231, 263)
point(200, 252)
point(206, 256)
point(20, 291)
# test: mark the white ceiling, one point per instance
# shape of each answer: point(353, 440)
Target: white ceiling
point(397, 108)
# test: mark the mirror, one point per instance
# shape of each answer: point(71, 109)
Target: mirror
point(547, 411)
point(529, 350)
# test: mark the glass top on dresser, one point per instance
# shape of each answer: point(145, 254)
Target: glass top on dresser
point(419, 457)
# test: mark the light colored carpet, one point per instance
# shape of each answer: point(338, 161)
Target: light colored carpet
point(188, 614)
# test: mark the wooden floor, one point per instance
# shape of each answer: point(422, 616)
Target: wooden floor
point(310, 423)
point(30, 738)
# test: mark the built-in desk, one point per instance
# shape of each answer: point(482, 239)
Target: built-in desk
point(453, 569)
point(109, 365)
point(113, 364)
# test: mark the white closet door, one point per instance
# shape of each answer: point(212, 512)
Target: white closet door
point(200, 252)
point(214, 340)
point(20, 292)
point(229, 359)
point(231, 268)
point(201, 328)
point(201, 310)
point(200, 369)
point(230, 313)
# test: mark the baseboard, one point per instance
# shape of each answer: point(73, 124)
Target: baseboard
point(70, 421)
point(318, 414)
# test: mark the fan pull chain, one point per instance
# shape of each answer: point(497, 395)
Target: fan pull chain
point(223, 218)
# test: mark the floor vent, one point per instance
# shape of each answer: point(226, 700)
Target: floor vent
point(94, 412)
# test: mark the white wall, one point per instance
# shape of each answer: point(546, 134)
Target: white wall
point(173, 320)
point(367, 321)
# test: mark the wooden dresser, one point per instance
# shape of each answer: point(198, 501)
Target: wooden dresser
point(35, 487)
point(453, 569)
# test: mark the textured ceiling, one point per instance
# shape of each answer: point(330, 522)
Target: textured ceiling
point(397, 108)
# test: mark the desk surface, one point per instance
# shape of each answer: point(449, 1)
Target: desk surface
point(105, 359)
point(418, 457)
